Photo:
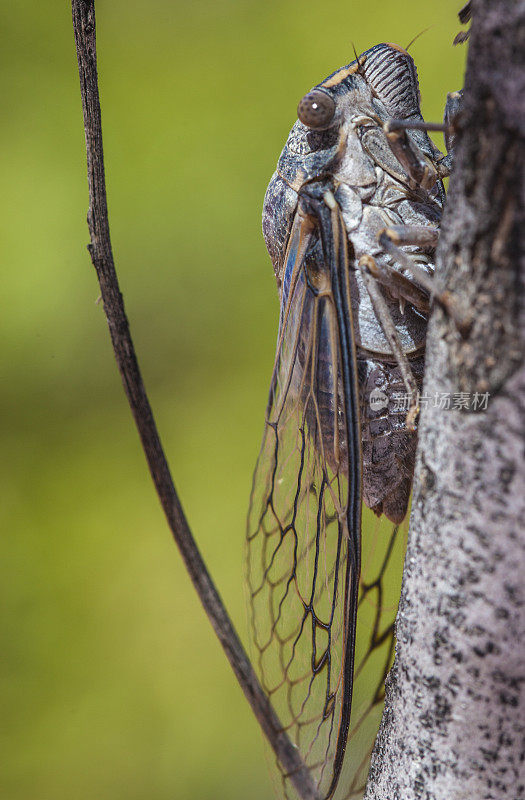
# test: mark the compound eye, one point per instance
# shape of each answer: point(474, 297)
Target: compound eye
point(316, 109)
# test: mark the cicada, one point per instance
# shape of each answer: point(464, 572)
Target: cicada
point(351, 220)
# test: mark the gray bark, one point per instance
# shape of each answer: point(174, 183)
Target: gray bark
point(454, 720)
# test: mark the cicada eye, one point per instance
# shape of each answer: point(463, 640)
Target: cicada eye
point(316, 109)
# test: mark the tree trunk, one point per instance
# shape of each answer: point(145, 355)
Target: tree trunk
point(454, 720)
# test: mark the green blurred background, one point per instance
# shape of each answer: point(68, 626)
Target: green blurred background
point(113, 684)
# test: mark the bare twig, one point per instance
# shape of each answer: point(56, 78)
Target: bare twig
point(102, 257)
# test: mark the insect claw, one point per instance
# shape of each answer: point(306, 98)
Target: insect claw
point(461, 37)
point(465, 15)
point(462, 320)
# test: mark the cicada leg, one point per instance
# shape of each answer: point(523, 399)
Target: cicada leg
point(464, 14)
point(451, 119)
point(392, 239)
point(368, 268)
point(421, 171)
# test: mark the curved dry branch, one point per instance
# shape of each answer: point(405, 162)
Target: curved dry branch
point(102, 257)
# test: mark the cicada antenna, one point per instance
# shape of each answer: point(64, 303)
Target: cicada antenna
point(411, 42)
point(359, 63)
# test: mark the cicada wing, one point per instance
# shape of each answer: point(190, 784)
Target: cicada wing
point(382, 557)
point(304, 543)
point(302, 582)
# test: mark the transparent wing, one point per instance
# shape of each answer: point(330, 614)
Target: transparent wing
point(303, 543)
point(382, 557)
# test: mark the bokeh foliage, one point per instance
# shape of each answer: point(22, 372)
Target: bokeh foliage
point(113, 683)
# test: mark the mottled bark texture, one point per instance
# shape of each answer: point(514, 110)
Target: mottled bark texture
point(454, 720)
